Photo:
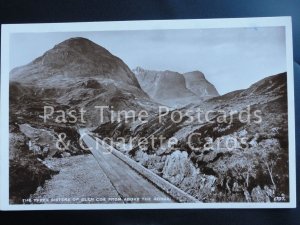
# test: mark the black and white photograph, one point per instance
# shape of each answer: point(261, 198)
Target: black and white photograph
point(148, 114)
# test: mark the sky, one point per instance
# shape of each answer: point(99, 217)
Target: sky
point(230, 58)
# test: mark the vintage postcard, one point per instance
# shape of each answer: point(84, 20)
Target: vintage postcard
point(148, 114)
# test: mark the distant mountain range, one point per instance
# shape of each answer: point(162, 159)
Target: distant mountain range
point(78, 73)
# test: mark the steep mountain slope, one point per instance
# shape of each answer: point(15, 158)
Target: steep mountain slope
point(74, 58)
point(238, 153)
point(78, 73)
point(197, 83)
point(165, 87)
point(175, 89)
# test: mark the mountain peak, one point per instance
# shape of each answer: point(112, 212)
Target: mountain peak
point(138, 69)
point(173, 88)
point(75, 57)
point(76, 40)
point(81, 45)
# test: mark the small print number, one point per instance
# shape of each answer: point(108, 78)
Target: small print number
point(280, 199)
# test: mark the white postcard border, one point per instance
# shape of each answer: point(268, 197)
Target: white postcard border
point(9, 29)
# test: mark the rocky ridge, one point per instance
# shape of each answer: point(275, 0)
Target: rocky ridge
point(174, 89)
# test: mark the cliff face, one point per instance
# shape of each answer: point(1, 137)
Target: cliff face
point(197, 83)
point(175, 89)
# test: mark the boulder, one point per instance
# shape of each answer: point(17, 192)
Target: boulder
point(259, 195)
point(177, 167)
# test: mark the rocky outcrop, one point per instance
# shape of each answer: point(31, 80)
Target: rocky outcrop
point(262, 195)
point(179, 170)
point(177, 167)
point(26, 171)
